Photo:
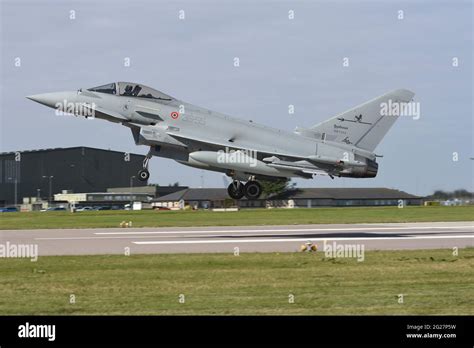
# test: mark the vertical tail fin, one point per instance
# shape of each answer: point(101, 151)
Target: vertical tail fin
point(365, 125)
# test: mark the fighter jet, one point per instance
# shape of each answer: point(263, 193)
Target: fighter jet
point(342, 146)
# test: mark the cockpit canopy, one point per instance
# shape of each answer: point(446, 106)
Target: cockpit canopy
point(131, 90)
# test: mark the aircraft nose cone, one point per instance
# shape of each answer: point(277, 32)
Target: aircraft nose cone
point(52, 99)
point(33, 97)
point(48, 99)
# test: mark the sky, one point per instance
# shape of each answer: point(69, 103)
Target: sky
point(49, 46)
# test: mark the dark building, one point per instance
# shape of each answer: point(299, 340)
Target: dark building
point(78, 169)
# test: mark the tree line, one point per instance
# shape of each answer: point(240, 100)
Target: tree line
point(461, 193)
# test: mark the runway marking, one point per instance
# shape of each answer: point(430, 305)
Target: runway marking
point(92, 238)
point(288, 230)
point(293, 240)
point(194, 236)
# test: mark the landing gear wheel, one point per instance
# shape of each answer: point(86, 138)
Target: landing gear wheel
point(253, 190)
point(143, 175)
point(236, 190)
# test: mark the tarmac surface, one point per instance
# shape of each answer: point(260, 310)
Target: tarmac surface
point(381, 236)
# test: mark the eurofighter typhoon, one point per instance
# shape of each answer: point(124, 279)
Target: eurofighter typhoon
point(342, 146)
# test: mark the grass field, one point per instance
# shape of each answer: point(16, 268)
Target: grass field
point(431, 281)
point(244, 217)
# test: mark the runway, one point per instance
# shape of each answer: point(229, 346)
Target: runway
point(429, 235)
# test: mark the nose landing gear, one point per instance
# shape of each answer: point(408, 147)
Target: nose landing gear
point(144, 174)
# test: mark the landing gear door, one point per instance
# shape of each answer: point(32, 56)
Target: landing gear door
point(136, 134)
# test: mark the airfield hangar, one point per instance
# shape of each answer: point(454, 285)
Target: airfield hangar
point(42, 173)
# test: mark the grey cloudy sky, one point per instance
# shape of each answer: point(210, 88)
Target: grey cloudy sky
point(282, 62)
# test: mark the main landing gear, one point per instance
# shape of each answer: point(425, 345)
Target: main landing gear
point(144, 174)
point(252, 189)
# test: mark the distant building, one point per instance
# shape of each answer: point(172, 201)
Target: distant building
point(153, 190)
point(303, 198)
point(196, 197)
point(99, 198)
point(117, 195)
point(339, 197)
point(76, 169)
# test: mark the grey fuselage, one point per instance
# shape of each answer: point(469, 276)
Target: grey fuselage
point(196, 136)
